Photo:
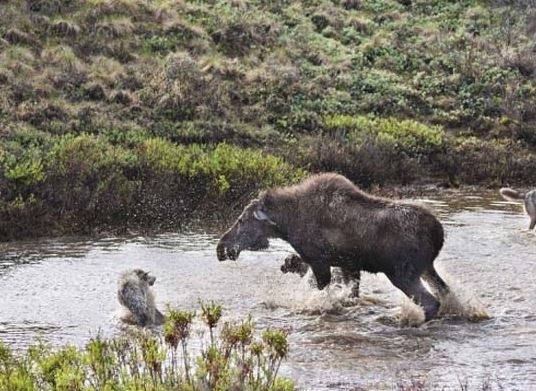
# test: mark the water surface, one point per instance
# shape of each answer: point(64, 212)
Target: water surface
point(65, 291)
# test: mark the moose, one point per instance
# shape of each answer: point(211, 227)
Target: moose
point(329, 221)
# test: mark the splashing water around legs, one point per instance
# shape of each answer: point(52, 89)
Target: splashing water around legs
point(304, 297)
point(459, 302)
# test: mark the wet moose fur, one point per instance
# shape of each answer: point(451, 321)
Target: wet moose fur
point(330, 222)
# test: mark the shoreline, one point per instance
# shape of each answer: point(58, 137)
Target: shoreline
point(215, 221)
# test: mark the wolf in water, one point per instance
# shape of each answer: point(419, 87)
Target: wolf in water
point(529, 198)
point(134, 293)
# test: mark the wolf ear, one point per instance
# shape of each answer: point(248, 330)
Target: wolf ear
point(262, 216)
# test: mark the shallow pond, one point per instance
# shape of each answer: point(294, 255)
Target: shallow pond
point(65, 290)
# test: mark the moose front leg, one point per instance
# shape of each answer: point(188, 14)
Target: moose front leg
point(322, 273)
point(313, 254)
point(349, 276)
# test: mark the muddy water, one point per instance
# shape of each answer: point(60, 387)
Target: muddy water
point(65, 291)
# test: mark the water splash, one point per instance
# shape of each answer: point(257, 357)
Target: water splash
point(461, 302)
point(300, 295)
point(411, 314)
point(464, 305)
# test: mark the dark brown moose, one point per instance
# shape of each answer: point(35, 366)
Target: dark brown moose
point(330, 222)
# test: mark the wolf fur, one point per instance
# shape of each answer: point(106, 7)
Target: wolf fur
point(294, 264)
point(135, 294)
point(529, 198)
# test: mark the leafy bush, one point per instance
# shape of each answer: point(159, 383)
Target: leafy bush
point(227, 165)
point(371, 161)
point(86, 181)
point(23, 160)
point(409, 136)
point(86, 155)
point(494, 162)
point(27, 171)
point(237, 358)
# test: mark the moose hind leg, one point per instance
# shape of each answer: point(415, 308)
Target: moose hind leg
point(437, 284)
point(416, 291)
point(352, 276)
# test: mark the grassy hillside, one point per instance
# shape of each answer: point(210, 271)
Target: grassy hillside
point(139, 112)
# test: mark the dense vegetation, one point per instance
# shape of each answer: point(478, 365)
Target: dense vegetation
point(233, 358)
point(145, 113)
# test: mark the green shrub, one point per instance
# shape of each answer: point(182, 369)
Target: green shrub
point(237, 358)
point(371, 161)
point(90, 181)
point(226, 165)
point(27, 171)
point(409, 136)
point(495, 162)
point(85, 155)
point(23, 160)
point(129, 137)
point(86, 181)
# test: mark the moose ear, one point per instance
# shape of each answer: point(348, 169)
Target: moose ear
point(262, 216)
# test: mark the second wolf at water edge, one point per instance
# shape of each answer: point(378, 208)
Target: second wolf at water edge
point(331, 222)
point(529, 198)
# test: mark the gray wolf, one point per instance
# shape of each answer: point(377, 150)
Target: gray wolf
point(529, 199)
point(134, 293)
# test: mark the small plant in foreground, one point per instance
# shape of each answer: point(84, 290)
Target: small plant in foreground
point(211, 316)
point(234, 359)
